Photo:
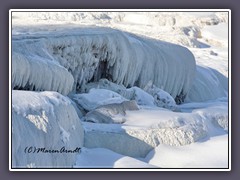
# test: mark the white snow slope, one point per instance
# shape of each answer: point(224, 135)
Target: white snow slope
point(104, 158)
point(44, 120)
point(144, 129)
point(212, 153)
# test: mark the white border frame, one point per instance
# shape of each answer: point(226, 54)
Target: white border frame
point(119, 10)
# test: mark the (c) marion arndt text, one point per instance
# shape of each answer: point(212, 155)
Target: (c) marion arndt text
point(33, 149)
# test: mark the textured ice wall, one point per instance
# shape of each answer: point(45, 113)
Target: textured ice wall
point(90, 54)
point(44, 120)
point(34, 69)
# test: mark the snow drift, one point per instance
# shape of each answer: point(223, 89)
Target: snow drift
point(137, 142)
point(111, 113)
point(209, 84)
point(106, 92)
point(105, 158)
point(97, 97)
point(207, 154)
point(90, 54)
point(44, 120)
point(144, 129)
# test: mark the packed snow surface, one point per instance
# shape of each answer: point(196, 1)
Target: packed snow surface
point(212, 153)
point(144, 129)
point(104, 158)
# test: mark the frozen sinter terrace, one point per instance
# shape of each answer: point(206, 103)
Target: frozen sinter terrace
point(127, 100)
point(65, 61)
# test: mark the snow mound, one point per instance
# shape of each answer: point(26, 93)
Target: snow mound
point(141, 97)
point(217, 115)
point(104, 158)
point(90, 54)
point(208, 154)
point(209, 84)
point(216, 35)
point(149, 96)
point(106, 84)
point(97, 97)
point(137, 142)
point(44, 120)
point(147, 128)
point(111, 113)
point(162, 98)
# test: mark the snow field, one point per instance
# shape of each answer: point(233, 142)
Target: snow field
point(105, 158)
point(144, 129)
point(212, 153)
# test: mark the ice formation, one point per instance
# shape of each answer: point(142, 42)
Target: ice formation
point(44, 120)
point(32, 71)
point(73, 59)
point(90, 54)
